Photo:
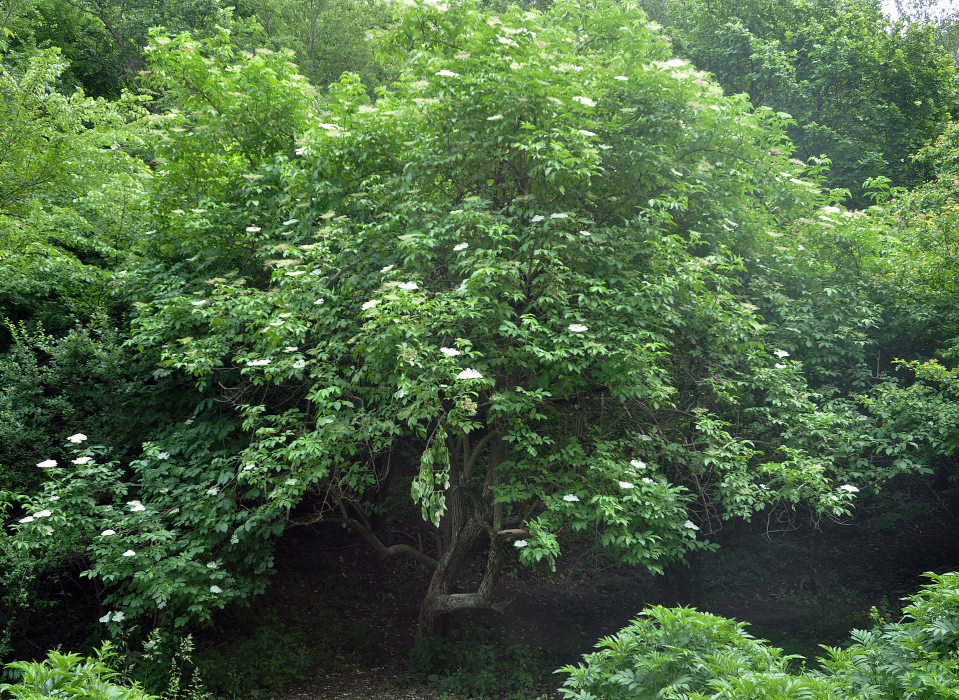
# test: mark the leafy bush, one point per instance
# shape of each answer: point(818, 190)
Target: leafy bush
point(682, 653)
point(72, 676)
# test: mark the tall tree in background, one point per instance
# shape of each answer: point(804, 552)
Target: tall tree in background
point(864, 92)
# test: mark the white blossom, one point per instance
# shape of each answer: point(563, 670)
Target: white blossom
point(370, 304)
point(626, 485)
point(620, 77)
point(129, 553)
point(290, 348)
point(253, 229)
point(494, 118)
point(577, 328)
point(469, 374)
point(781, 353)
point(82, 460)
point(290, 222)
point(28, 519)
point(585, 101)
point(47, 463)
point(849, 488)
point(216, 590)
point(559, 215)
point(107, 533)
point(118, 616)
point(587, 132)
point(637, 463)
point(257, 363)
point(691, 525)
point(77, 439)
point(105, 619)
point(319, 302)
point(163, 455)
point(461, 246)
point(43, 514)
point(506, 41)
point(779, 365)
point(54, 498)
point(519, 543)
point(213, 491)
point(291, 482)
point(585, 233)
point(248, 467)
point(408, 285)
point(384, 270)
point(299, 364)
point(447, 73)
point(450, 352)
point(647, 480)
point(536, 219)
point(136, 506)
point(571, 498)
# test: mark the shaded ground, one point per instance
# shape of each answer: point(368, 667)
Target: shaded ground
point(340, 620)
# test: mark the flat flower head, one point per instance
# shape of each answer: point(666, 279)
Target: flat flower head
point(82, 460)
point(647, 480)
point(494, 118)
point(469, 374)
point(691, 525)
point(849, 488)
point(252, 229)
point(129, 553)
point(622, 78)
point(43, 514)
point(577, 328)
point(136, 506)
point(585, 101)
point(118, 616)
point(536, 219)
point(781, 354)
point(28, 519)
point(519, 544)
point(47, 464)
point(105, 619)
point(77, 439)
point(450, 352)
point(626, 485)
point(370, 304)
point(447, 73)
point(586, 132)
point(779, 365)
point(216, 590)
point(408, 285)
point(107, 533)
point(461, 246)
point(571, 498)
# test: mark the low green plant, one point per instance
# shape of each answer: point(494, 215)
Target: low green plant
point(474, 669)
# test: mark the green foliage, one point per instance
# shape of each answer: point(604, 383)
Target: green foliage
point(474, 669)
point(71, 195)
point(327, 38)
point(72, 676)
point(82, 382)
point(671, 653)
point(863, 91)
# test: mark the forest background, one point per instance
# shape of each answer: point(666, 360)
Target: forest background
point(479, 288)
